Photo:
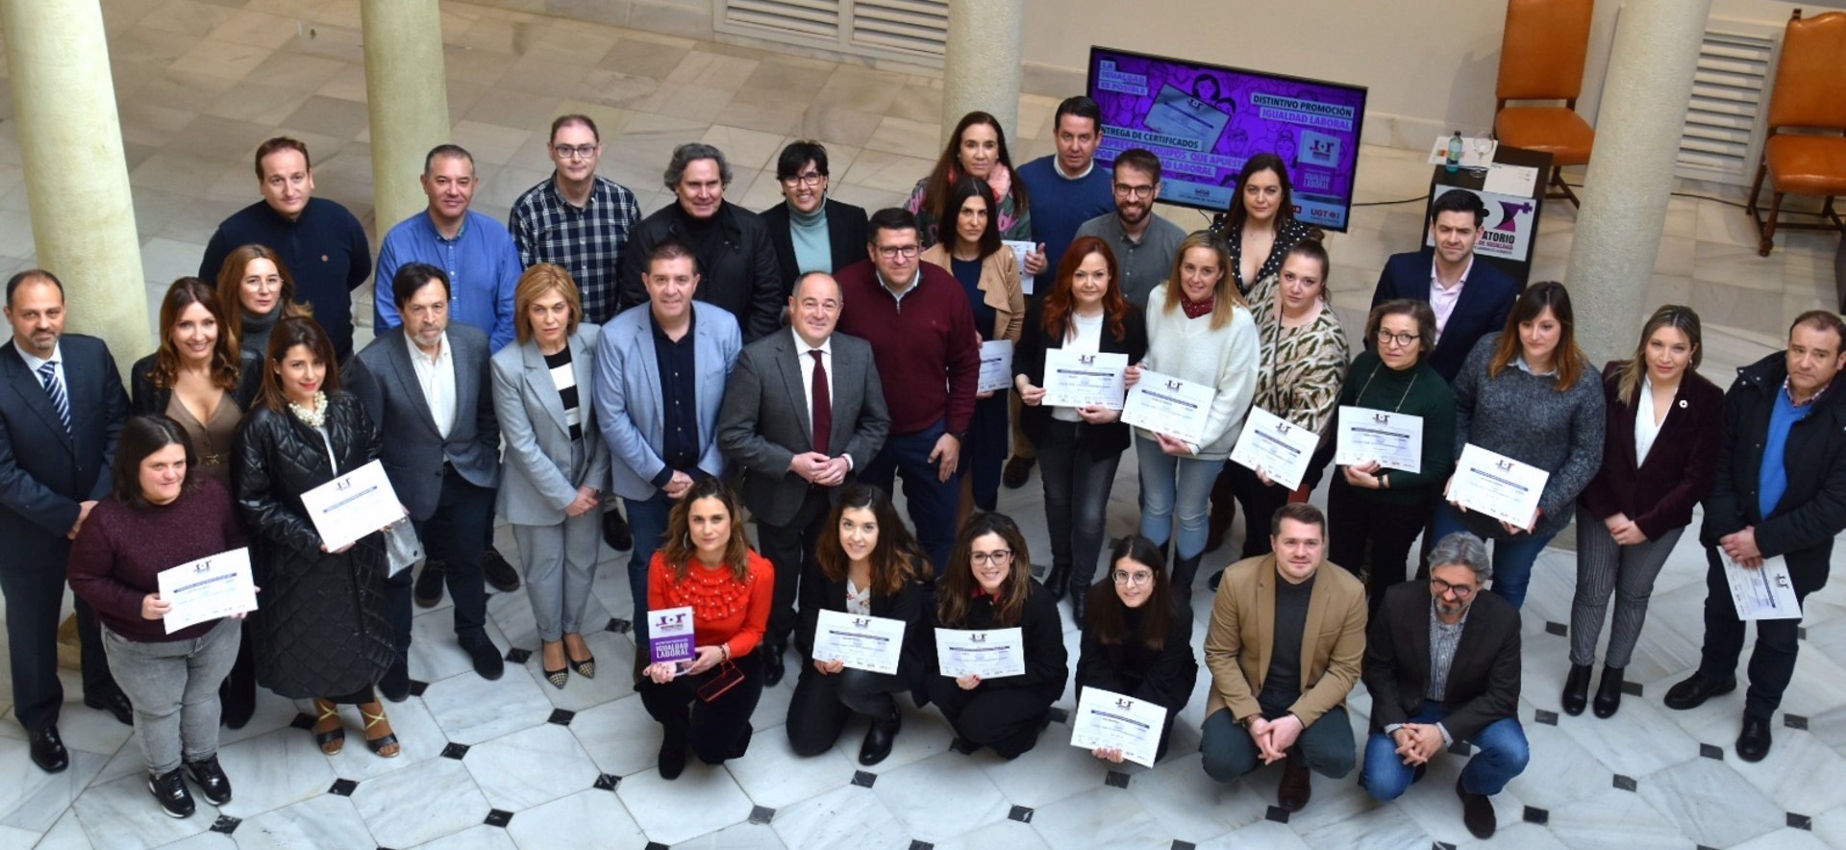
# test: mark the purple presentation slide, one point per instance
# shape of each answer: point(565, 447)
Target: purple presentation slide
point(1205, 121)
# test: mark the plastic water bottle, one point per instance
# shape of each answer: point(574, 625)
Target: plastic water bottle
point(1454, 163)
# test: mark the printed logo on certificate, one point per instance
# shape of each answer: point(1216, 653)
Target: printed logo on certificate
point(669, 635)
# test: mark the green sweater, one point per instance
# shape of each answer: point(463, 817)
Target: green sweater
point(1418, 391)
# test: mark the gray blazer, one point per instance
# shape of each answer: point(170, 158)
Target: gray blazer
point(628, 393)
point(384, 381)
point(543, 467)
point(765, 421)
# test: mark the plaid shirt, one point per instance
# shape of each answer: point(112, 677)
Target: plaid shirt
point(587, 242)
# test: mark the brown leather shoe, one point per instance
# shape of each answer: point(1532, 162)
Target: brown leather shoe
point(1296, 786)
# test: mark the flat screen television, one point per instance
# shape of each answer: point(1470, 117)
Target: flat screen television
point(1205, 121)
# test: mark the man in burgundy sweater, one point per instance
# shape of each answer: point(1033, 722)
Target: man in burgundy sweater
point(921, 328)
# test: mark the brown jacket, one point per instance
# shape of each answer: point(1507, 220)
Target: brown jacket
point(1000, 289)
point(1242, 634)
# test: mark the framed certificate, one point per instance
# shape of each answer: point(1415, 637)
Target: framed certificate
point(1497, 486)
point(1395, 440)
point(1167, 405)
point(1118, 722)
point(873, 644)
point(989, 654)
point(1275, 445)
point(1077, 380)
point(996, 366)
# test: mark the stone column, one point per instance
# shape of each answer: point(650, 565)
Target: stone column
point(983, 68)
point(70, 138)
point(407, 99)
point(1644, 100)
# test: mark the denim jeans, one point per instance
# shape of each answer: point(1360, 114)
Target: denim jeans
point(1175, 486)
point(1512, 556)
point(174, 688)
point(1502, 755)
point(647, 520)
point(1077, 483)
point(930, 500)
point(1228, 752)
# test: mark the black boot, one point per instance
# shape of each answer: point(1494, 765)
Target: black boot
point(1184, 571)
point(1079, 604)
point(1576, 689)
point(1057, 581)
point(1608, 693)
point(881, 736)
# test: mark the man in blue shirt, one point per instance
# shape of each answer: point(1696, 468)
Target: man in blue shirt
point(477, 252)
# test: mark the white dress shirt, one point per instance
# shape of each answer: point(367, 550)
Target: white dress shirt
point(33, 364)
point(437, 375)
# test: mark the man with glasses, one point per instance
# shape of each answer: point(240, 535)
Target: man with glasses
point(921, 328)
point(577, 219)
point(737, 264)
point(1284, 646)
point(811, 231)
point(1471, 299)
point(1443, 666)
point(1145, 244)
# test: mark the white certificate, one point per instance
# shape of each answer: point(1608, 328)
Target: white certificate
point(1022, 247)
point(996, 366)
point(1075, 380)
point(873, 644)
point(1164, 404)
point(353, 505)
point(1395, 440)
point(211, 587)
point(1279, 447)
point(1118, 722)
point(1764, 593)
point(1497, 486)
point(989, 654)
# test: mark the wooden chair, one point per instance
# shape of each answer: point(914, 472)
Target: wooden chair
point(1541, 58)
point(1809, 95)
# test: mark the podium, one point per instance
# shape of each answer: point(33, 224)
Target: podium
point(1510, 231)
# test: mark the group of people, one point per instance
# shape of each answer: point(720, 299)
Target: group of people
point(715, 368)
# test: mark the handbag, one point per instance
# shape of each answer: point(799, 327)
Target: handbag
point(402, 548)
point(728, 677)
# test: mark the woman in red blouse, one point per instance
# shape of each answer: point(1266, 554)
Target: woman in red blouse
point(707, 564)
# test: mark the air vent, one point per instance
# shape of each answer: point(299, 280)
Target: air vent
point(1730, 92)
point(912, 31)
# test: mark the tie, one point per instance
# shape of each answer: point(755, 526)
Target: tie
point(823, 406)
point(48, 375)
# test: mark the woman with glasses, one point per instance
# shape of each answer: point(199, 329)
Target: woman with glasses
point(812, 231)
point(1374, 513)
point(1659, 458)
point(1080, 446)
point(1136, 642)
point(976, 149)
point(1528, 393)
point(989, 276)
point(989, 585)
point(255, 280)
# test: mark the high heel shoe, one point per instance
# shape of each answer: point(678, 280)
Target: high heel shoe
point(327, 730)
point(384, 745)
point(1608, 693)
point(1576, 689)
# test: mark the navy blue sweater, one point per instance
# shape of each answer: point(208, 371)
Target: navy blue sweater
point(325, 250)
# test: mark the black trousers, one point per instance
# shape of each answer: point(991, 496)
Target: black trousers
point(790, 549)
point(1772, 663)
point(34, 601)
point(715, 729)
point(822, 704)
point(1259, 502)
point(1005, 719)
point(1362, 530)
point(450, 535)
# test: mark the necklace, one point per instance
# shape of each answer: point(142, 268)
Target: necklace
point(315, 417)
point(1400, 402)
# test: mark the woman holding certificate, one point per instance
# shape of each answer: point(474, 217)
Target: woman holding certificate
point(706, 564)
point(989, 586)
point(989, 275)
point(1659, 458)
point(1136, 642)
point(868, 564)
point(1303, 362)
point(1375, 511)
point(1528, 394)
point(162, 513)
point(1079, 447)
point(1199, 330)
point(322, 630)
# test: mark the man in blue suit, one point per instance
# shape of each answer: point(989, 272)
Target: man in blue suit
point(61, 409)
point(1470, 299)
point(661, 369)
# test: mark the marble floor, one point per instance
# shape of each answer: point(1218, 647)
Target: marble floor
point(518, 764)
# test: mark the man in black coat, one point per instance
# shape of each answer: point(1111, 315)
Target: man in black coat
point(736, 261)
point(1780, 493)
point(61, 409)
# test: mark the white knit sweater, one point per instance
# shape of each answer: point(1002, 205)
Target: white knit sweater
point(1191, 350)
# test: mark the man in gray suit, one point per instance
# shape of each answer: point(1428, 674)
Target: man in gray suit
point(804, 408)
point(426, 384)
point(660, 373)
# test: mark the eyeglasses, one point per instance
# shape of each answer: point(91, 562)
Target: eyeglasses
point(998, 556)
point(1462, 591)
point(1136, 579)
point(810, 179)
point(892, 252)
point(1400, 340)
point(574, 151)
point(1134, 191)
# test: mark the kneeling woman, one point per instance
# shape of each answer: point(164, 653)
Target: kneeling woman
point(707, 565)
point(161, 514)
point(989, 585)
point(868, 565)
point(1136, 642)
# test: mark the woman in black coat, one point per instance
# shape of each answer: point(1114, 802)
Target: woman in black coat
point(321, 626)
point(1136, 642)
point(867, 563)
